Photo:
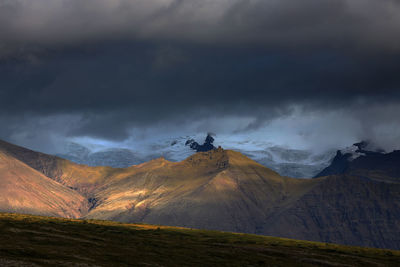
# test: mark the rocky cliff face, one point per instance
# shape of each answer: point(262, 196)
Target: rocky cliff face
point(225, 190)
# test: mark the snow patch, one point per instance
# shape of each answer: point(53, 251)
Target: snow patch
point(353, 151)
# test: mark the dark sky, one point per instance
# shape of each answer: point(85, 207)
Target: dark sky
point(111, 69)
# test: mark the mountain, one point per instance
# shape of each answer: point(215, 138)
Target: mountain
point(26, 190)
point(81, 178)
point(219, 189)
point(287, 162)
point(343, 209)
point(225, 190)
point(358, 161)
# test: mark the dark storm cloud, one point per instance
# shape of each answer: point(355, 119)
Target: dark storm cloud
point(118, 86)
point(311, 23)
point(141, 75)
point(104, 67)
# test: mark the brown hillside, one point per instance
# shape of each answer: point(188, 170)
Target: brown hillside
point(215, 190)
point(81, 178)
point(25, 190)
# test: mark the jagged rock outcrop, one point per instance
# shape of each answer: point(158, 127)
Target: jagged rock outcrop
point(207, 146)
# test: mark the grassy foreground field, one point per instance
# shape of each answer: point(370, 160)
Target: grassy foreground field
point(46, 241)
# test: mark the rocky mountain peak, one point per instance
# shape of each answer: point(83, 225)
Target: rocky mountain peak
point(217, 157)
point(360, 158)
point(206, 146)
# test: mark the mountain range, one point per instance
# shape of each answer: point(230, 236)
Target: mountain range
point(298, 163)
point(217, 189)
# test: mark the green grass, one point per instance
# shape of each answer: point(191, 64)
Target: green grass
point(46, 241)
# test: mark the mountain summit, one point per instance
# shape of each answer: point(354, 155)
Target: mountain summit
point(358, 160)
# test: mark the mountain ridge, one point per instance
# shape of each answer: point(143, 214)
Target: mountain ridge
point(358, 161)
point(287, 162)
point(226, 190)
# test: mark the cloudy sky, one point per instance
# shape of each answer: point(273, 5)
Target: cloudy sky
point(309, 74)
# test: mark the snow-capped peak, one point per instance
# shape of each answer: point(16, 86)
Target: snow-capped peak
point(353, 151)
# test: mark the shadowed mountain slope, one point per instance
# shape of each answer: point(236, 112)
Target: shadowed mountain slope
point(225, 190)
point(343, 209)
point(377, 166)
